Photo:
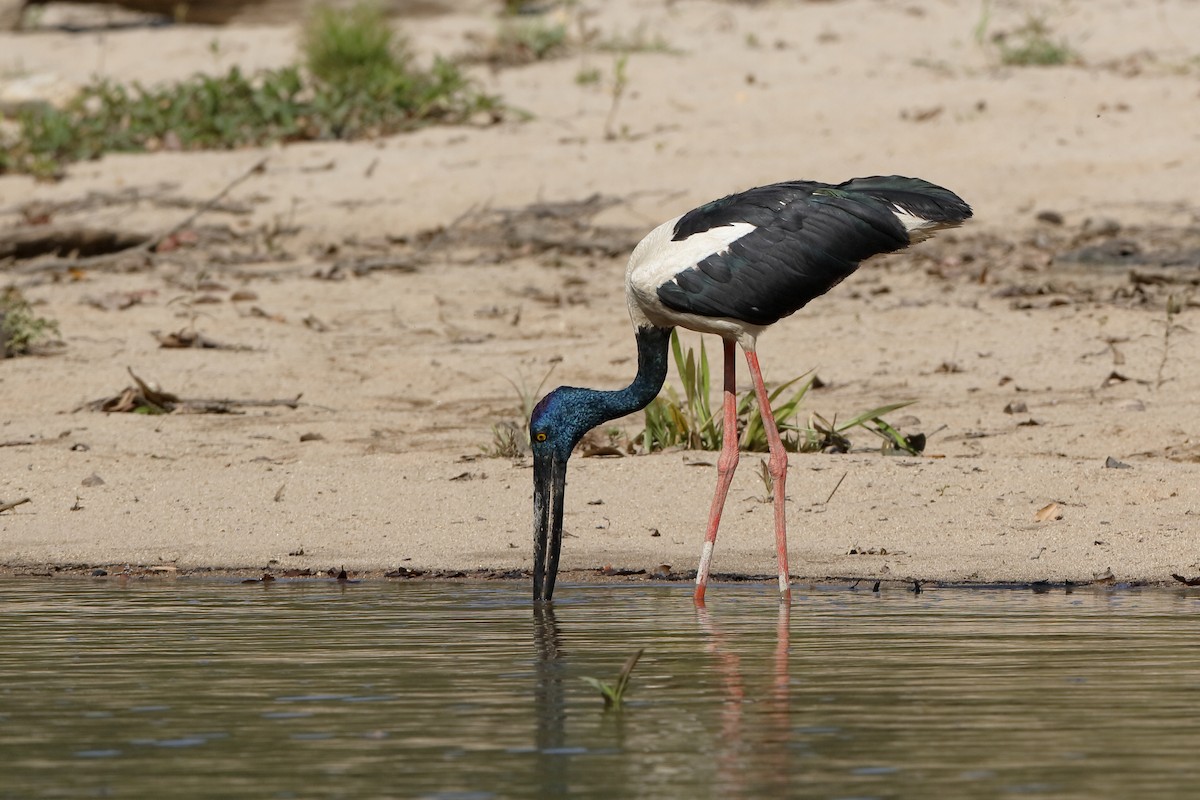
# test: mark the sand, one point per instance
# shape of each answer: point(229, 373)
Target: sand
point(402, 372)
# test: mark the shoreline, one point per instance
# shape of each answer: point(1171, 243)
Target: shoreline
point(567, 578)
point(367, 319)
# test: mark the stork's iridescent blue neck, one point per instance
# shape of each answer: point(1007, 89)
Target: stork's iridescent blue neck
point(561, 419)
point(558, 422)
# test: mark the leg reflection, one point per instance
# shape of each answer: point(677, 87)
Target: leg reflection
point(779, 719)
point(730, 778)
point(752, 753)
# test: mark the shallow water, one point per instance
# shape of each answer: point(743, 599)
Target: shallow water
point(186, 689)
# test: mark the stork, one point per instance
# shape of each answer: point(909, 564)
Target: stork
point(731, 267)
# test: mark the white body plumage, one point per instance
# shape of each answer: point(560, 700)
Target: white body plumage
point(657, 259)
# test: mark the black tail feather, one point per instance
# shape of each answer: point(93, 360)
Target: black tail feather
point(919, 197)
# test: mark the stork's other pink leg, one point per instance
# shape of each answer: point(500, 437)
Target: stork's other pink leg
point(777, 468)
point(726, 464)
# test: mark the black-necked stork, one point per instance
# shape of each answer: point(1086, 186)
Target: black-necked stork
point(730, 267)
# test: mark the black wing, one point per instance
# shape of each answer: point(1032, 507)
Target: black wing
point(807, 238)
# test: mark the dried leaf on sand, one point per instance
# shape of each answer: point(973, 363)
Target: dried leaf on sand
point(146, 398)
point(1048, 512)
point(189, 338)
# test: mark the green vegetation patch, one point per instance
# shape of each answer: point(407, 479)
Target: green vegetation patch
point(358, 80)
point(1032, 45)
point(22, 332)
point(691, 422)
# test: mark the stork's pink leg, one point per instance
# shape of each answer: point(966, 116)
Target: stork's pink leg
point(777, 468)
point(726, 464)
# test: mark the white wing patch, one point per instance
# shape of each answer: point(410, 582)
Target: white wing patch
point(657, 259)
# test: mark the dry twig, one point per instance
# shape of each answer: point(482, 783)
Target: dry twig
point(10, 506)
point(144, 398)
point(63, 264)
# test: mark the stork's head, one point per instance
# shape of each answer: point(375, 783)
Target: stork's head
point(557, 424)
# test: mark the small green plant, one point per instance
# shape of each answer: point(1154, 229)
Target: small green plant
point(540, 40)
point(1029, 45)
point(614, 694)
point(508, 441)
point(528, 395)
point(521, 41)
point(1033, 46)
point(695, 425)
point(671, 421)
point(638, 40)
point(359, 81)
point(690, 421)
point(768, 481)
point(619, 85)
point(511, 439)
point(754, 435)
point(985, 18)
point(588, 76)
point(21, 331)
point(353, 46)
point(367, 83)
point(821, 434)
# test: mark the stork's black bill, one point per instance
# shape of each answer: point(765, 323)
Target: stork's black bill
point(549, 488)
point(557, 424)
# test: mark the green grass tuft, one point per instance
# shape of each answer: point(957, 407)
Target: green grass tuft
point(1034, 48)
point(690, 422)
point(1032, 45)
point(22, 332)
point(353, 47)
point(511, 439)
point(1029, 46)
point(532, 41)
point(614, 693)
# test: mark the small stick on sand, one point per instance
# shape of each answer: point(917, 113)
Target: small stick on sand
point(58, 264)
point(836, 487)
point(10, 506)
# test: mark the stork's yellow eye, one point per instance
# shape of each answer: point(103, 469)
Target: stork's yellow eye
point(541, 437)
